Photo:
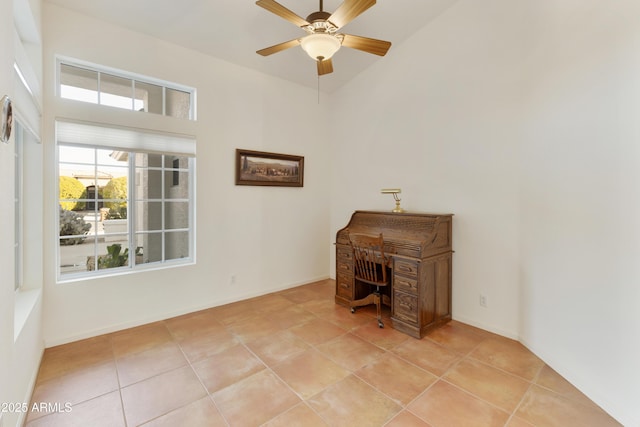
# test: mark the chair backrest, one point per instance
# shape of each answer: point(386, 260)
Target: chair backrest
point(368, 258)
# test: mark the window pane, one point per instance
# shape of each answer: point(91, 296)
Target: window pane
point(176, 215)
point(71, 154)
point(113, 255)
point(148, 216)
point(78, 84)
point(151, 244)
point(148, 97)
point(114, 192)
point(148, 160)
point(176, 245)
point(178, 104)
point(116, 91)
point(79, 256)
point(148, 184)
point(176, 185)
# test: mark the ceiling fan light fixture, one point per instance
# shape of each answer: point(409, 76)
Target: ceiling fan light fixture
point(320, 45)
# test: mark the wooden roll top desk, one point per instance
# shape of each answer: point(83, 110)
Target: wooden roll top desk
point(419, 246)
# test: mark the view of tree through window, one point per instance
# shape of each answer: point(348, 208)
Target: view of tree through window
point(120, 209)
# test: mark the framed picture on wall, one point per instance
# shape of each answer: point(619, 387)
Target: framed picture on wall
point(261, 168)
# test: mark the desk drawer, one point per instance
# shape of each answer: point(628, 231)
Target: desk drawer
point(405, 284)
point(408, 268)
point(344, 286)
point(344, 268)
point(344, 254)
point(405, 307)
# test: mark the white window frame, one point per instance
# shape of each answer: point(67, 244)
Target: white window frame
point(100, 69)
point(133, 141)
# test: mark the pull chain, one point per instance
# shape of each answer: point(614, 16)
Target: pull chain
point(318, 90)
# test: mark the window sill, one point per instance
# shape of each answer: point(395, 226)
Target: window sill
point(25, 302)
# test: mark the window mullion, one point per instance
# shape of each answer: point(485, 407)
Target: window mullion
point(163, 208)
point(131, 207)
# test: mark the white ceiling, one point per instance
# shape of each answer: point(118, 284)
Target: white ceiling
point(233, 30)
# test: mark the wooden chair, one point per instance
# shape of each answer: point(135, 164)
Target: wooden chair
point(370, 266)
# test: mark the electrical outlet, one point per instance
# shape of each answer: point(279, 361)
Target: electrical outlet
point(232, 279)
point(483, 300)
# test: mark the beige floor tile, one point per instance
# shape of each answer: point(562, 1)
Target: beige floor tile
point(290, 316)
point(254, 328)
point(296, 358)
point(272, 303)
point(102, 411)
point(277, 348)
point(552, 380)
point(193, 324)
point(201, 346)
point(444, 404)
point(386, 337)
point(77, 386)
point(427, 355)
point(77, 355)
point(350, 351)
point(518, 422)
point(317, 331)
point(300, 415)
point(508, 355)
point(457, 337)
point(352, 402)
point(235, 312)
point(201, 413)
point(396, 378)
point(493, 385)
point(318, 306)
point(407, 419)
point(139, 339)
point(255, 400)
point(227, 367)
point(547, 408)
point(341, 316)
point(301, 294)
point(310, 372)
point(146, 364)
point(159, 395)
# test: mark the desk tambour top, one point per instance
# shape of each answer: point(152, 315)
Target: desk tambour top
point(413, 235)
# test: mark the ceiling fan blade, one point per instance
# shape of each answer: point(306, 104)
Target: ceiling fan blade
point(365, 44)
point(278, 47)
point(325, 67)
point(349, 10)
point(278, 9)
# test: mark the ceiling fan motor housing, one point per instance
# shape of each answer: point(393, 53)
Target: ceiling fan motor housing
point(318, 16)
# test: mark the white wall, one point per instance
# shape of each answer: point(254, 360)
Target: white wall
point(436, 118)
point(253, 233)
point(21, 343)
point(6, 215)
point(580, 198)
point(521, 118)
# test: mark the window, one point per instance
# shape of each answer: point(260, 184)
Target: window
point(119, 209)
point(119, 89)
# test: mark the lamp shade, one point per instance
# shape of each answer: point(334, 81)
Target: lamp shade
point(320, 45)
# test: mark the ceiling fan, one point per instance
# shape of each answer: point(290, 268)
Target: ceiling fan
point(322, 39)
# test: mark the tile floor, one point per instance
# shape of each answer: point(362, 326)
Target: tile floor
point(295, 358)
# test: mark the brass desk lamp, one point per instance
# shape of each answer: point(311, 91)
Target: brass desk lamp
point(395, 192)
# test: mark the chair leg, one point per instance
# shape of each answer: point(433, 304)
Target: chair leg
point(378, 309)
